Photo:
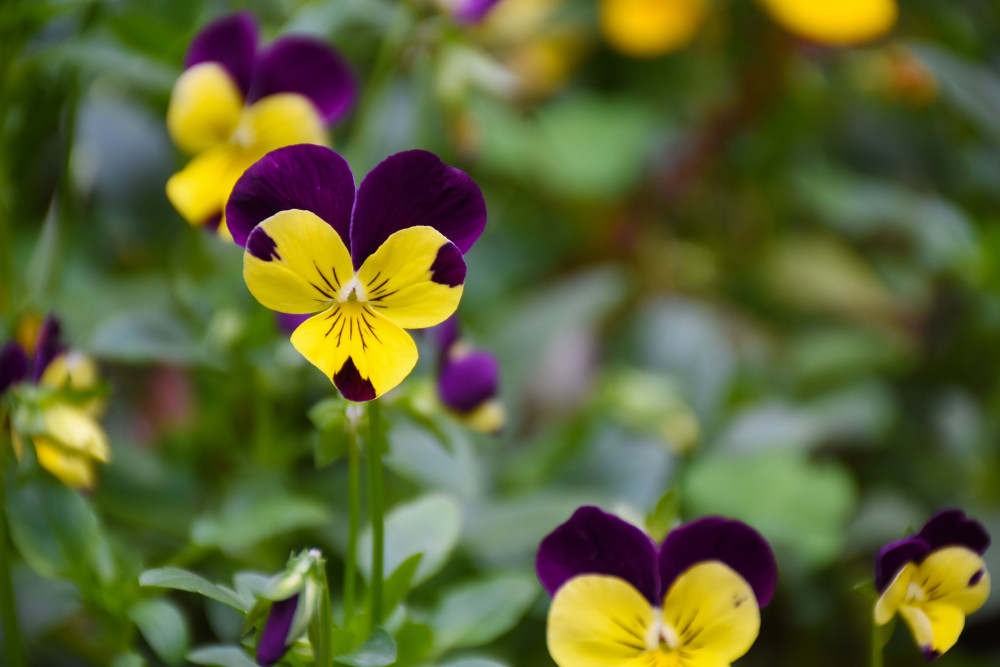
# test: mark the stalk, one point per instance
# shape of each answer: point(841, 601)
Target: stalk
point(354, 505)
point(376, 493)
point(12, 640)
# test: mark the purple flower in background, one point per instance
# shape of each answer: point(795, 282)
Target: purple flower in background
point(619, 598)
point(934, 579)
point(363, 263)
point(468, 380)
point(235, 102)
point(469, 11)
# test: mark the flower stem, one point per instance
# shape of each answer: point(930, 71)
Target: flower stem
point(376, 492)
point(877, 643)
point(354, 504)
point(13, 648)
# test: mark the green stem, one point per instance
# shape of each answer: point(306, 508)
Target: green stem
point(877, 643)
point(376, 495)
point(354, 511)
point(12, 640)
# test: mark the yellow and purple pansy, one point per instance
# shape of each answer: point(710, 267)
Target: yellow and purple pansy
point(468, 380)
point(621, 600)
point(648, 28)
point(236, 102)
point(67, 439)
point(934, 579)
point(366, 263)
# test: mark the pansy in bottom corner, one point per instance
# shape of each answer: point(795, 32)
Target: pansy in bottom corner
point(620, 600)
point(934, 579)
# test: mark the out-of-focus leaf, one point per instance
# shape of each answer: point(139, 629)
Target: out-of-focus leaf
point(664, 516)
point(221, 656)
point(178, 579)
point(164, 628)
point(379, 650)
point(414, 643)
point(833, 354)
point(473, 662)
point(429, 525)
point(43, 258)
point(100, 57)
point(798, 505)
point(147, 335)
point(476, 613)
point(974, 89)
point(128, 660)
point(245, 521)
point(418, 455)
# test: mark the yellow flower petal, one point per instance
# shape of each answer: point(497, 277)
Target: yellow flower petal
point(894, 595)
point(205, 107)
point(71, 468)
point(487, 418)
point(411, 278)
point(199, 191)
point(74, 429)
point(646, 28)
point(279, 120)
point(362, 352)
point(935, 626)
point(296, 263)
point(835, 23)
point(713, 612)
point(600, 621)
point(955, 576)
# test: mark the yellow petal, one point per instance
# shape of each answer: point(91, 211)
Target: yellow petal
point(647, 28)
point(279, 120)
point(600, 621)
point(894, 595)
point(935, 626)
point(363, 353)
point(74, 429)
point(835, 23)
point(71, 468)
point(199, 191)
point(713, 612)
point(955, 576)
point(296, 263)
point(205, 108)
point(487, 418)
point(411, 278)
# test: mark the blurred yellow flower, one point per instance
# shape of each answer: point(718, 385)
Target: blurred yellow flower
point(838, 23)
point(647, 28)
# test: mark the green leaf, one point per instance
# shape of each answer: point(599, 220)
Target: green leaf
point(147, 335)
point(397, 584)
point(797, 504)
point(414, 643)
point(164, 628)
point(476, 613)
point(43, 258)
point(129, 659)
point(245, 521)
point(379, 650)
point(429, 525)
point(473, 662)
point(183, 580)
point(221, 656)
point(664, 516)
point(866, 589)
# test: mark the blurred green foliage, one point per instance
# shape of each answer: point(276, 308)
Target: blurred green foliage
point(795, 249)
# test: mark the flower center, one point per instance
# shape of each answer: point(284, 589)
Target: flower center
point(352, 292)
point(661, 635)
point(914, 593)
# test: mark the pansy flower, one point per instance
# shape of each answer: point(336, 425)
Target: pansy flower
point(291, 596)
point(367, 263)
point(235, 102)
point(934, 579)
point(67, 439)
point(468, 380)
point(646, 28)
point(622, 601)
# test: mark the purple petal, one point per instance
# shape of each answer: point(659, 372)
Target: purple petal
point(951, 527)
point(714, 538)
point(894, 556)
point(300, 64)
point(306, 176)
point(351, 385)
point(473, 11)
point(48, 346)
point(415, 188)
point(448, 267)
point(595, 542)
point(289, 322)
point(274, 637)
point(468, 380)
point(445, 334)
point(230, 41)
point(13, 365)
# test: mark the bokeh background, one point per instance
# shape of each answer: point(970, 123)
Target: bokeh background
point(756, 271)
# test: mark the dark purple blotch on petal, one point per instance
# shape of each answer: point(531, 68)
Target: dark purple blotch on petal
point(931, 654)
point(976, 577)
point(13, 365)
point(305, 176)
point(289, 322)
point(230, 41)
point(48, 346)
point(262, 246)
point(468, 380)
point(473, 11)
point(415, 188)
point(894, 556)
point(448, 267)
point(350, 383)
point(595, 542)
point(274, 636)
point(307, 66)
point(952, 528)
point(727, 540)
